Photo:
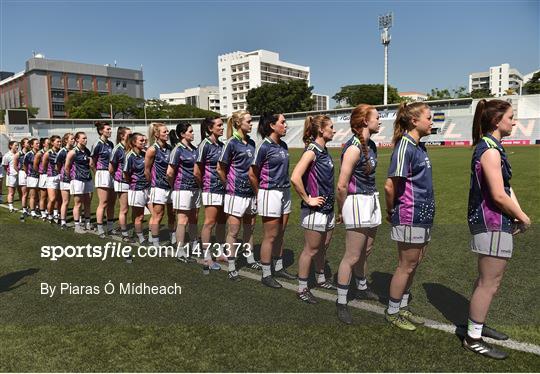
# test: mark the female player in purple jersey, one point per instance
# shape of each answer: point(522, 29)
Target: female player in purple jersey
point(101, 154)
point(19, 161)
point(121, 187)
point(313, 180)
point(410, 206)
point(79, 162)
point(155, 170)
point(186, 195)
point(358, 204)
point(138, 185)
point(494, 215)
point(42, 181)
point(269, 176)
point(53, 179)
point(68, 142)
point(213, 189)
point(239, 202)
point(32, 175)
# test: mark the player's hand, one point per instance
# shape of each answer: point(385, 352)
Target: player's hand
point(315, 202)
point(521, 226)
point(339, 219)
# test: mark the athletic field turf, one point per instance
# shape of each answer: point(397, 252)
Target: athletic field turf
point(217, 325)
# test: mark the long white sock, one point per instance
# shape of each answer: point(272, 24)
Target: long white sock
point(278, 263)
point(302, 284)
point(140, 235)
point(232, 263)
point(342, 291)
point(266, 270)
point(321, 278)
point(361, 283)
point(405, 300)
point(393, 306)
point(474, 329)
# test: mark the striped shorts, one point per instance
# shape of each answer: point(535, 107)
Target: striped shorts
point(493, 243)
point(274, 203)
point(411, 234)
point(361, 211)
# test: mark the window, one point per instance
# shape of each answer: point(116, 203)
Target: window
point(124, 84)
point(117, 84)
point(223, 79)
point(223, 69)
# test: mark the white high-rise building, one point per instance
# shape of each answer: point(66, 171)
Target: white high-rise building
point(238, 72)
point(201, 97)
point(497, 80)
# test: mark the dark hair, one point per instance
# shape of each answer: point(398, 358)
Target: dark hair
point(486, 116)
point(32, 141)
point(206, 125)
point(265, 121)
point(120, 132)
point(42, 142)
point(100, 126)
point(23, 140)
point(65, 138)
point(52, 139)
point(181, 128)
point(78, 134)
point(11, 143)
point(131, 140)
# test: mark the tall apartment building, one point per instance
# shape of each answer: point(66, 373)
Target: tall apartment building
point(46, 84)
point(322, 102)
point(239, 71)
point(206, 98)
point(497, 80)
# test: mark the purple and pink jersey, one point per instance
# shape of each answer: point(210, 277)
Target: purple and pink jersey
point(118, 157)
point(101, 153)
point(318, 179)
point(29, 162)
point(360, 182)
point(272, 160)
point(208, 156)
point(61, 163)
point(414, 201)
point(159, 167)
point(41, 166)
point(51, 165)
point(183, 161)
point(237, 156)
point(483, 214)
point(134, 167)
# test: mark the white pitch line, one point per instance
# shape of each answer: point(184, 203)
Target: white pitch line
point(512, 344)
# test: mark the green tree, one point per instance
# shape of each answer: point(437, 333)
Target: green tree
point(481, 93)
point(533, 85)
point(460, 92)
point(372, 94)
point(188, 111)
point(92, 105)
point(123, 106)
point(283, 97)
point(436, 94)
point(155, 108)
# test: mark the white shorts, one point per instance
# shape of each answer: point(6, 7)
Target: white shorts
point(312, 220)
point(212, 199)
point(274, 203)
point(103, 179)
point(120, 186)
point(65, 186)
point(32, 182)
point(493, 243)
point(411, 234)
point(53, 182)
point(361, 211)
point(160, 196)
point(238, 206)
point(12, 181)
point(22, 178)
point(138, 198)
point(42, 183)
point(186, 200)
point(81, 187)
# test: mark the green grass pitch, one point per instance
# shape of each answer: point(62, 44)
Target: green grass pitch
point(217, 325)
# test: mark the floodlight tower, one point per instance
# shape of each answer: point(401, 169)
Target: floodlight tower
point(385, 22)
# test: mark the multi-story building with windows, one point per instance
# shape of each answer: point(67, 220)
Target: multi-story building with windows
point(46, 84)
point(414, 96)
point(497, 80)
point(322, 102)
point(201, 97)
point(238, 72)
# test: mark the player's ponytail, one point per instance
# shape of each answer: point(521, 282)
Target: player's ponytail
point(404, 118)
point(477, 121)
point(486, 116)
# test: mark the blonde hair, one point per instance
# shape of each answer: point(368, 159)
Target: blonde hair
point(405, 114)
point(359, 117)
point(153, 131)
point(233, 123)
point(312, 125)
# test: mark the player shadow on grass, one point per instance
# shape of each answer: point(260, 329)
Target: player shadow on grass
point(8, 281)
point(453, 306)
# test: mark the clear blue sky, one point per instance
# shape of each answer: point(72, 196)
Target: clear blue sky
point(434, 44)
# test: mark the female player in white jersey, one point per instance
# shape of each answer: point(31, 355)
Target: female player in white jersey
point(121, 187)
point(68, 142)
point(269, 176)
point(81, 185)
point(9, 163)
point(359, 206)
point(410, 206)
point(42, 181)
point(101, 155)
point(21, 180)
point(53, 178)
point(313, 180)
point(138, 185)
point(32, 176)
point(155, 170)
point(494, 215)
point(239, 202)
point(186, 194)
